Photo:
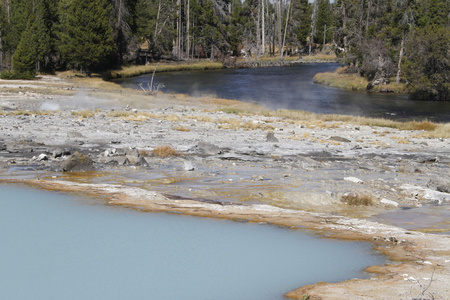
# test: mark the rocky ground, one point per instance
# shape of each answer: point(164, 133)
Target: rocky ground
point(240, 163)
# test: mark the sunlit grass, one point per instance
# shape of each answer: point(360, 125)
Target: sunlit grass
point(354, 82)
point(165, 67)
point(319, 57)
point(165, 151)
point(429, 129)
point(355, 199)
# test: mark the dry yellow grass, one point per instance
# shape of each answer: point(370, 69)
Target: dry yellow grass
point(150, 68)
point(86, 113)
point(433, 130)
point(319, 57)
point(165, 151)
point(356, 199)
point(354, 82)
point(182, 128)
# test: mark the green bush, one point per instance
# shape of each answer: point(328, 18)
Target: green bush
point(9, 75)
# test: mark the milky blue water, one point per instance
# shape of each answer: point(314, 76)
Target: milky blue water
point(59, 246)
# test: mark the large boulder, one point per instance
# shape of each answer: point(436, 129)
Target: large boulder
point(204, 148)
point(78, 162)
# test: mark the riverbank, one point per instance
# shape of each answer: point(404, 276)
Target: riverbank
point(239, 161)
point(202, 65)
point(354, 82)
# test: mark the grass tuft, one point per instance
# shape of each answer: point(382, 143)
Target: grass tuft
point(165, 151)
point(355, 199)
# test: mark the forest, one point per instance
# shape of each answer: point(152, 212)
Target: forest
point(382, 40)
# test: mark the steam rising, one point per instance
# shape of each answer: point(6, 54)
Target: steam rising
point(49, 106)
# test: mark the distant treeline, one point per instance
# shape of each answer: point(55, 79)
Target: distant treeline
point(382, 40)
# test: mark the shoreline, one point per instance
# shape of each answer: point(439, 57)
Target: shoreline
point(285, 168)
point(133, 71)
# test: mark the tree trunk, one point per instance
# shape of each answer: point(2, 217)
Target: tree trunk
point(313, 26)
point(402, 50)
point(279, 26)
point(258, 29)
point(263, 30)
point(286, 26)
point(178, 42)
point(188, 42)
point(157, 19)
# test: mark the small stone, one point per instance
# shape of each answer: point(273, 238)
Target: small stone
point(389, 202)
point(271, 138)
point(188, 166)
point(42, 157)
point(353, 179)
point(339, 139)
point(78, 162)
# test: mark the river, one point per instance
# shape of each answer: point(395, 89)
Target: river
point(60, 246)
point(291, 87)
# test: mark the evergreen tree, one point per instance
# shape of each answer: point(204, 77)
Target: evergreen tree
point(25, 57)
point(86, 38)
point(427, 62)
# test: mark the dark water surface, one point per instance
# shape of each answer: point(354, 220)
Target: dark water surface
point(291, 87)
point(60, 246)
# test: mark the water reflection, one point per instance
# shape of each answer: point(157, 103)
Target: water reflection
point(53, 246)
point(291, 87)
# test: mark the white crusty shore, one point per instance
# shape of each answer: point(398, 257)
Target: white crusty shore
point(229, 167)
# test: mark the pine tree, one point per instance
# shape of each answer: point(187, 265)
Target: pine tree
point(86, 38)
point(25, 57)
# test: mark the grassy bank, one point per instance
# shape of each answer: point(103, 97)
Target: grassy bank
point(354, 82)
point(165, 67)
point(429, 129)
point(319, 58)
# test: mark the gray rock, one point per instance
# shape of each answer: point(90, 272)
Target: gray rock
point(42, 157)
point(188, 166)
point(207, 149)
point(119, 160)
point(271, 138)
point(439, 184)
point(3, 165)
point(78, 162)
point(57, 153)
point(340, 139)
point(133, 152)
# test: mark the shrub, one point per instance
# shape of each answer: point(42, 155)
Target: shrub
point(9, 75)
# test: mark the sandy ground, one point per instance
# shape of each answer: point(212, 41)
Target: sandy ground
point(230, 167)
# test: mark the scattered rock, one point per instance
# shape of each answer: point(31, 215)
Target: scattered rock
point(389, 202)
point(207, 149)
point(439, 184)
point(3, 165)
point(74, 134)
point(353, 179)
point(188, 166)
point(133, 152)
point(78, 162)
point(41, 157)
point(339, 139)
point(57, 153)
point(271, 138)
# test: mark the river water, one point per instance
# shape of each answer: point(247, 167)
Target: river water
point(60, 246)
point(291, 87)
